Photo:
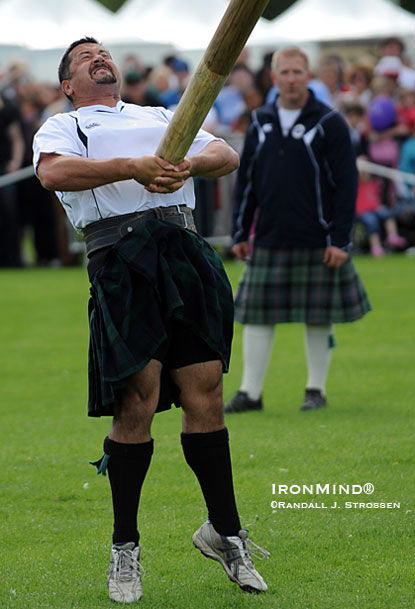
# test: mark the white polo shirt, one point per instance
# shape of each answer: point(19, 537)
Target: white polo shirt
point(102, 132)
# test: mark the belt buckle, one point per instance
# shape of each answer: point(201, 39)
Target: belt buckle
point(181, 213)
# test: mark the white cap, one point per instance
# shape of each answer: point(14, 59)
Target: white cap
point(388, 66)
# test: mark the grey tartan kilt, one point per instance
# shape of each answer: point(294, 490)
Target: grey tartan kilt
point(293, 285)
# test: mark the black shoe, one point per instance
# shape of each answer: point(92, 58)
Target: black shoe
point(313, 399)
point(241, 402)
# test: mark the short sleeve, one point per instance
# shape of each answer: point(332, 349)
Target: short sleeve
point(58, 135)
point(202, 139)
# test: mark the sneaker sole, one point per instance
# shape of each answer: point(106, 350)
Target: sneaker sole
point(123, 597)
point(209, 553)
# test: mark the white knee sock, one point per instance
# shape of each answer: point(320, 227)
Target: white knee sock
point(257, 346)
point(318, 343)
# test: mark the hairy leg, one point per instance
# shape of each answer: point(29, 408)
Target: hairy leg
point(130, 448)
point(201, 396)
point(135, 406)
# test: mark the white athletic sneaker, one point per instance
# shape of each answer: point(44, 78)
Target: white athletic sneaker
point(234, 554)
point(124, 573)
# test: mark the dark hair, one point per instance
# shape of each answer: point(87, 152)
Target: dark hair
point(354, 108)
point(394, 40)
point(63, 70)
point(133, 77)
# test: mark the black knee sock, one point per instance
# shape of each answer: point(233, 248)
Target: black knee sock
point(209, 457)
point(127, 468)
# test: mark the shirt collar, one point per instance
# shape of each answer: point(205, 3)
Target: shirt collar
point(102, 108)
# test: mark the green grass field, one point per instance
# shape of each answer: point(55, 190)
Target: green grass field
point(56, 515)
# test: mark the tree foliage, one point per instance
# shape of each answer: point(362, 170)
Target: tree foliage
point(113, 5)
point(274, 7)
point(409, 5)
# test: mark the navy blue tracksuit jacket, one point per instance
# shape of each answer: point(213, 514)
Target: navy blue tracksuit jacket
point(300, 188)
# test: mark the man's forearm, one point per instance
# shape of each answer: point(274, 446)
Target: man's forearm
point(75, 173)
point(216, 160)
point(65, 173)
point(71, 173)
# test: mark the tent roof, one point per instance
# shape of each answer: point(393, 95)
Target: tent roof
point(184, 23)
point(325, 20)
point(187, 24)
point(43, 24)
point(190, 24)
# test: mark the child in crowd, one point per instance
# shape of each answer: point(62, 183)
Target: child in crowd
point(355, 115)
point(376, 218)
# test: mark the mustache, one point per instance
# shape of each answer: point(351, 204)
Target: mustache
point(98, 66)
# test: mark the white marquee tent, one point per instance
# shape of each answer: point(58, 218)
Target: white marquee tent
point(190, 24)
point(46, 24)
point(187, 24)
point(328, 20)
point(37, 31)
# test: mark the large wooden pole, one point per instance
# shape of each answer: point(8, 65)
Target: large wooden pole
point(210, 75)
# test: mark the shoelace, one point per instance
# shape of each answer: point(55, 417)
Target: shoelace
point(252, 549)
point(126, 563)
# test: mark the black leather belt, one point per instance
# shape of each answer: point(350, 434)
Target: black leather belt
point(105, 233)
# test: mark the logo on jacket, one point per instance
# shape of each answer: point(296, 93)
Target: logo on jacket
point(298, 131)
point(90, 125)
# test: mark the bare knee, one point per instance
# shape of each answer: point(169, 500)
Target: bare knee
point(135, 406)
point(201, 396)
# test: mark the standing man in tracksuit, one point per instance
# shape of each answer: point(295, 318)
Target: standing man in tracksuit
point(293, 215)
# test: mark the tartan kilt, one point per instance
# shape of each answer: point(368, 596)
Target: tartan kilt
point(293, 285)
point(157, 274)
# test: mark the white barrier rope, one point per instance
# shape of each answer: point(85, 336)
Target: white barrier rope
point(385, 172)
point(16, 176)
point(374, 168)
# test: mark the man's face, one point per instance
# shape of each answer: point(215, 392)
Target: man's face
point(392, 48)
point(91, 68)
point(292, 76)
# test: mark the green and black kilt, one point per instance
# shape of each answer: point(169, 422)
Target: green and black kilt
point(293, 285)
point(156, 276)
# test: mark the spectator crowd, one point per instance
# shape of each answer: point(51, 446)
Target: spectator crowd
point(376, 96)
